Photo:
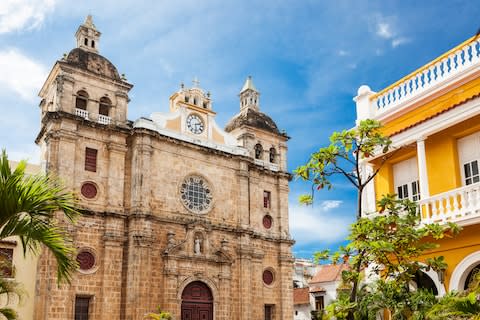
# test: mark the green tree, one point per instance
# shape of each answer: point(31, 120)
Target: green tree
point(28, 208)
point(391, 245)
point(344, 156)
point(392, 241)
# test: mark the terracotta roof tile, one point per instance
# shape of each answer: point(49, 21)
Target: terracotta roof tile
point(301, 296)
point(329, 272)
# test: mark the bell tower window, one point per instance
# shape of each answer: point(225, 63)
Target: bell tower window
point(272, 155)
point(81, 100)
point(93, 43)
point(104, 107)
point(258, 151)
point(85, 41)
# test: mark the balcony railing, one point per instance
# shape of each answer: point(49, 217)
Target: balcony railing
point(437, 72)
point(82, 113)
point(460, 205)
point(104, 119)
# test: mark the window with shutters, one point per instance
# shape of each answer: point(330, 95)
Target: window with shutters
point(405, 177)
point(6, 262)
point(469, 157)
point(319, 303)
point(91, 159)
point(82, 305)
point(266, 199)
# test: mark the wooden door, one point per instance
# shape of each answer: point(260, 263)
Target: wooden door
point(197, 302)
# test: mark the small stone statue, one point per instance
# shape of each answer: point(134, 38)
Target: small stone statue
point(170, 239)
point(224, 244)
point(197, 248)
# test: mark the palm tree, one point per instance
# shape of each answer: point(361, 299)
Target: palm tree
point(459, 306)
point(161, 315)
point(29, 205)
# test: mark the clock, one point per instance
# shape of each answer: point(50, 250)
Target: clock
point(195, 124)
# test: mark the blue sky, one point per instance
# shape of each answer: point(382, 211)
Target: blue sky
point(307, 59)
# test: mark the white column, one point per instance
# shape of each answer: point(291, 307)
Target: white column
point(368, 197)
point(422, 169)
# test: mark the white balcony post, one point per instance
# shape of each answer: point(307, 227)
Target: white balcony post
point(364, 107)
point(422, 169)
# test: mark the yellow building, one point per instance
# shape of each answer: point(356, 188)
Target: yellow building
point(433, 118)
point(19, 268)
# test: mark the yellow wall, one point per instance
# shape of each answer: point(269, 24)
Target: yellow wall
point(441, 152)
point(456, 249)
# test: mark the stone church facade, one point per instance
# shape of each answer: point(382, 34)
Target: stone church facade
point(176, 211)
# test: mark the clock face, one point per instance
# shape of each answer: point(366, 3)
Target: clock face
point(195, 124)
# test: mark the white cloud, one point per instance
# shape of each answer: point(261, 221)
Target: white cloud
point(399, 41)
point(23, 14)
point(384, 30)
point(330, 204)
point(318, 224)
point(343, 53)
point(23, 75)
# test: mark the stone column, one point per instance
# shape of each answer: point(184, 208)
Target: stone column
point(140, 186)
point(116, 177)
point(137, 293)
point(113, 242)
point(368, 199)
point(243, 212)
point(286, 282)
point(245, 289)
point(282, 205)
point(422, 169)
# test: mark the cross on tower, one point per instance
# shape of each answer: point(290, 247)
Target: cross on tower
point(196, 83)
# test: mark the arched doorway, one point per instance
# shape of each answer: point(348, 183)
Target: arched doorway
point(197, 302)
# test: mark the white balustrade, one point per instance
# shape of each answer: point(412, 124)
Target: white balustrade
point(82, 113)
point(104, 119)
point(441, 69)
point(453, 206)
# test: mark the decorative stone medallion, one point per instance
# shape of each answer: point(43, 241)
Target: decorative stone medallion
point(267, 221)
point(86, 260)
point(268, 277)
point(196, 194)
point(89, 190)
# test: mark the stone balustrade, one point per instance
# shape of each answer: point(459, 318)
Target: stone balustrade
point(82, 113)
point(439, 71)
point(104, 119)
point(461, 205)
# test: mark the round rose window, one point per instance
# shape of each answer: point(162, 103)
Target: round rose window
point(267, 221)
point(89, 190)
point(267, 277)
point(85, 260)
point(196, 194)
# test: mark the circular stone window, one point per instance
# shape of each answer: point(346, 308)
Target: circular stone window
point(267, 221)
point(86, 260)
point(196, 194)
point(89, 190)
point(268, 277)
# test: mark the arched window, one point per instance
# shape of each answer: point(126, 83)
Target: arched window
point(85, 41)
point(423, 281)
point(104, 107)
point(93, 44)
point(471, 276)
point(187, 99)
point(258, 151)
point(81, 100)
point(195, 102)
point(273, 155)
